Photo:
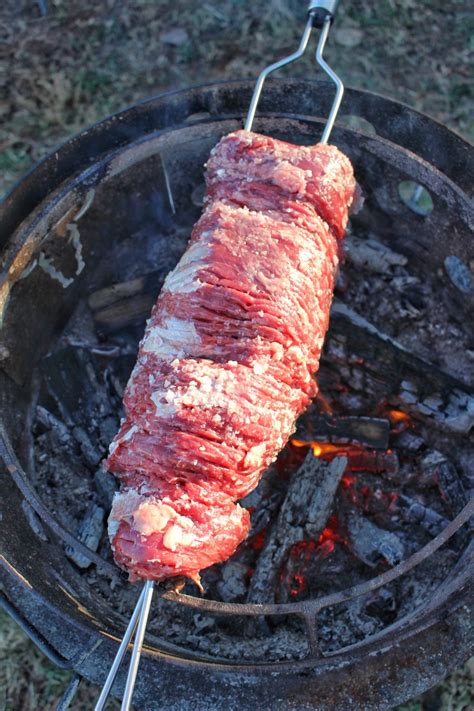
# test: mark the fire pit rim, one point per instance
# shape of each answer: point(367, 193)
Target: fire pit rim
point(25, 195)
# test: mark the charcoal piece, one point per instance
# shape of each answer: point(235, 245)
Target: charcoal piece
point(265, 500)
point(116, 292)
point(368, 431)
point(92, 455)
point(454, 413)
point(375, 462)
point(108, 428)
point(442, 472)
point(120, 305)
point(372, 544)
point(409, 441)
point(61, 433)
point(303, 515)
point(89, 533)
point(125, 313)
point(372, 255)
point(68, 382)
point(106, 485)
point(413, 511)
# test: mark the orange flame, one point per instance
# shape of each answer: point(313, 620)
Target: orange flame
point(322, 449)
point(396, 416)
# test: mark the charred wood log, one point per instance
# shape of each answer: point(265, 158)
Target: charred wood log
point(374, 462)
point(388, 506)
point(89, 533)
point(303, 515)
point(126, 303)
point(48, 421)
point(372, 544)
point(409, 441)
point(442, 472)
point(413, 511)
point(106, 485)
point(372, 255)
point(367, 431)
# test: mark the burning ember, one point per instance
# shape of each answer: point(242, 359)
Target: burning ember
point(359, 458)
point(307, 554)
point(399, 420)
point(326, 450)
point(396, 416)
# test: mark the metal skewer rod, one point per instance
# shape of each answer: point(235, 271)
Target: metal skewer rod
point(332, 74)
point(137, 646)
point(273, 67)
point(120, 654)
point(320, 14)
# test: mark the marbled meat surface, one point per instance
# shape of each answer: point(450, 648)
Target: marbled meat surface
point(227, 361)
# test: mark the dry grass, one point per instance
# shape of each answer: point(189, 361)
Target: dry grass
point(86, 59)
point(30, 682)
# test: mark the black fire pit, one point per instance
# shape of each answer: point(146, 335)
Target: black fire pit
point(87, 238)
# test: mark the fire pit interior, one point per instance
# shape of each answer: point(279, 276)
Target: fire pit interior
point(379, 465)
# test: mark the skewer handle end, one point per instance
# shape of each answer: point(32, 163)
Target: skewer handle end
point(321, 10)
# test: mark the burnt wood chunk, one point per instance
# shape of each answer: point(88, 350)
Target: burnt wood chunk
point(303, 515)
point(413, 511)
point(372, 255)
point(443, 473)
point(89, 533)
point(372, 544)
point(368, 431)
point(106, 486)
point(126, 303)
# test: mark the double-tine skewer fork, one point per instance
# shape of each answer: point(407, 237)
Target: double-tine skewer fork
point(320, 15)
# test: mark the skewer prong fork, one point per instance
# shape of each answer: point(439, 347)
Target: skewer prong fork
point(140, 618)
point(320, 15)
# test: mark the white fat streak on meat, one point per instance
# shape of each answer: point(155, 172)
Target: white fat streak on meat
point(275, 170)
point(220, 389)
point(204, 392)
point(174, 337)
point(124, 438)
point(184, 277)
point(147, 515)
point(164, 404)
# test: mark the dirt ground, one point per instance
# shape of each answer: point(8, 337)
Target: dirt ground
point(65, 65)
point(81, 61)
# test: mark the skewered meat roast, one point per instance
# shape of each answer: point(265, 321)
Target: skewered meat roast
point(227, 361)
